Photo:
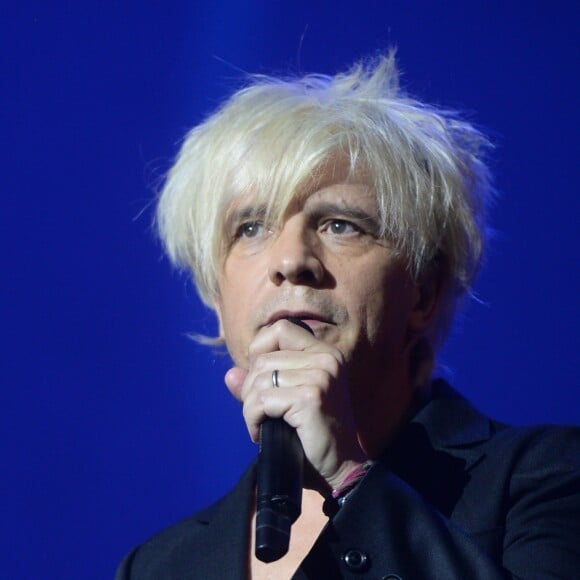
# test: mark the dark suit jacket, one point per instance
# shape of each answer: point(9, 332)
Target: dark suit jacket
point(456, 496)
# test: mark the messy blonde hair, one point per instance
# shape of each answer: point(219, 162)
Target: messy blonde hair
point(273, 136)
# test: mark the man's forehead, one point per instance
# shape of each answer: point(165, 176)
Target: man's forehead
point(278, 189)
point(347, 194)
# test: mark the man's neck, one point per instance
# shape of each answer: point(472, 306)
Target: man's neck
point(305, 532)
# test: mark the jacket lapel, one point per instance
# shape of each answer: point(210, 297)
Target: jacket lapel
point(222, 544)
point(453, 424)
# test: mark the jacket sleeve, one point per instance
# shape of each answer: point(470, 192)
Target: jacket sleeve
point(542, 530)
point(387, 530)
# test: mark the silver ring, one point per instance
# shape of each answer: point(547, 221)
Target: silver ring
point(275, 379)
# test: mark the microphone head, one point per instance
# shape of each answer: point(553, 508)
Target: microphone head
point(299, 322)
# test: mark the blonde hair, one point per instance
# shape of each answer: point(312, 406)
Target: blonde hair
point(275, 135)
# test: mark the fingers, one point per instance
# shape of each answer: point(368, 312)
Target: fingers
point(301, 360)
point(285, 362)
point(297, 376)
point(286, 346)
point(312, 396)
point(300, 394)
point(286, 336)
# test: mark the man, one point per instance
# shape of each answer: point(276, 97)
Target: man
point(345, 204)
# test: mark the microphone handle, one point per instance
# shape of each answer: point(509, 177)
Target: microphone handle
point(279, 488)
point(278, 484)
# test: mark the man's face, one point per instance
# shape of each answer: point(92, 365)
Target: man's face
point(327, 265)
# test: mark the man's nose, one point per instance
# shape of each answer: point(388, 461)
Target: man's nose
point(294, 255)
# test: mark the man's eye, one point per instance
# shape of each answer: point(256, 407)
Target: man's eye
point(249, 230)
point(340, 227)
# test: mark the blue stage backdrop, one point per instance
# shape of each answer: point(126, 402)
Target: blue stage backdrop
point(115, 424)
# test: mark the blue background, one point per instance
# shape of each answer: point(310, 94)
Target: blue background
point(113, 422)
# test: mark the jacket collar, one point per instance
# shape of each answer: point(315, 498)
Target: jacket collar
point(447, 425)
point(451, 420)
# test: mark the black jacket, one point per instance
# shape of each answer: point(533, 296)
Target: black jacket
point(456, 496)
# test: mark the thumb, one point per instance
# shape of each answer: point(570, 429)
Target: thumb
point(234, 380)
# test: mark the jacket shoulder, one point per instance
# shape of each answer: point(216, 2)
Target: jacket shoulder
point(548, 447)
point(198, 545)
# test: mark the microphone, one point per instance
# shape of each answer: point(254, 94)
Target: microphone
point(278, 484)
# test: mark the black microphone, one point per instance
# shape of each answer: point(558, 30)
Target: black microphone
point(278, 484)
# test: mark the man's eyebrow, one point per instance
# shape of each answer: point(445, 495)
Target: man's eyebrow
point(344, 210)
point(241, 214)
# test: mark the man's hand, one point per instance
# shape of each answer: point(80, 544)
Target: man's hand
point(313, 397)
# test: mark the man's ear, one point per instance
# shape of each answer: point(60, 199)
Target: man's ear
point(218, 313)
point(427, 295)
